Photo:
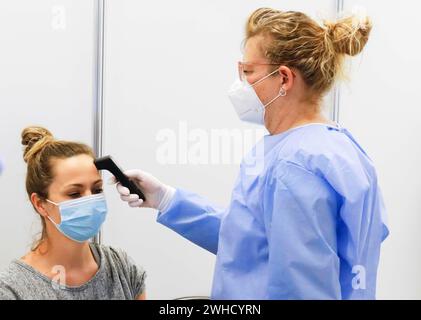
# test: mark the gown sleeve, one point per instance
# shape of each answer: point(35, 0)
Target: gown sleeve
point(194, 218)
point(362, 225)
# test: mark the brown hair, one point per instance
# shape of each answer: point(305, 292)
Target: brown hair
point(40, 148)
point(317, 52)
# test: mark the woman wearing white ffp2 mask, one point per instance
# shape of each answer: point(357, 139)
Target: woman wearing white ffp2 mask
point(309, 222)
point(243, 96)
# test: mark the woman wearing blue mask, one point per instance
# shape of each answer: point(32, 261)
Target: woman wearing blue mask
point(306, 218)
point(65, 189)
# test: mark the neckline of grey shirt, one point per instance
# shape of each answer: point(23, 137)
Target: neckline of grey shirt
point(98, 260)
point(117, 277)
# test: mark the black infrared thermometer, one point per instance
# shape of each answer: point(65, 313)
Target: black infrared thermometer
point(107, 163)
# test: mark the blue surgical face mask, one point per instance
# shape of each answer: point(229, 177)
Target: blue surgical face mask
point(82, 218)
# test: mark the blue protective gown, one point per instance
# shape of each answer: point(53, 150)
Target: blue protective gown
point(306, 220)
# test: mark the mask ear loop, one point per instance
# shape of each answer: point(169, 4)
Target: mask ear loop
point(282, 91)
point(263, 79)
point(48, 216)
point(52, 202)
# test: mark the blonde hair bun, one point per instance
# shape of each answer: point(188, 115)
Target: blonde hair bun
point(349, 35)
point(34, 139)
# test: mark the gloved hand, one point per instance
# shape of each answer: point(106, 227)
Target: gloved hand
point(157, 195)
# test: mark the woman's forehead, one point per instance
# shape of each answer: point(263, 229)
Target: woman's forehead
point(253, 50)
point(79, 169)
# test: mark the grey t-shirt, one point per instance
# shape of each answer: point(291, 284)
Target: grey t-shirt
point(118, 277)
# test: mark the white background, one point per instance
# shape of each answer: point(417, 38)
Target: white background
point(170, 64)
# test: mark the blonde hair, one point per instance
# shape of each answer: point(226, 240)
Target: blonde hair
point(40, 148)
point(297, 41)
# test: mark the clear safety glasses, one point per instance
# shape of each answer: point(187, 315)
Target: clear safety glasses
point(241, 66)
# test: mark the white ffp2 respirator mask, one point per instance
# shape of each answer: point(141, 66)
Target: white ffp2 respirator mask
point(247, 104)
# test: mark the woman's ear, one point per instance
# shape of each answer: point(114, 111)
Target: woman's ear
point(287, 76)
point(39, 204)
